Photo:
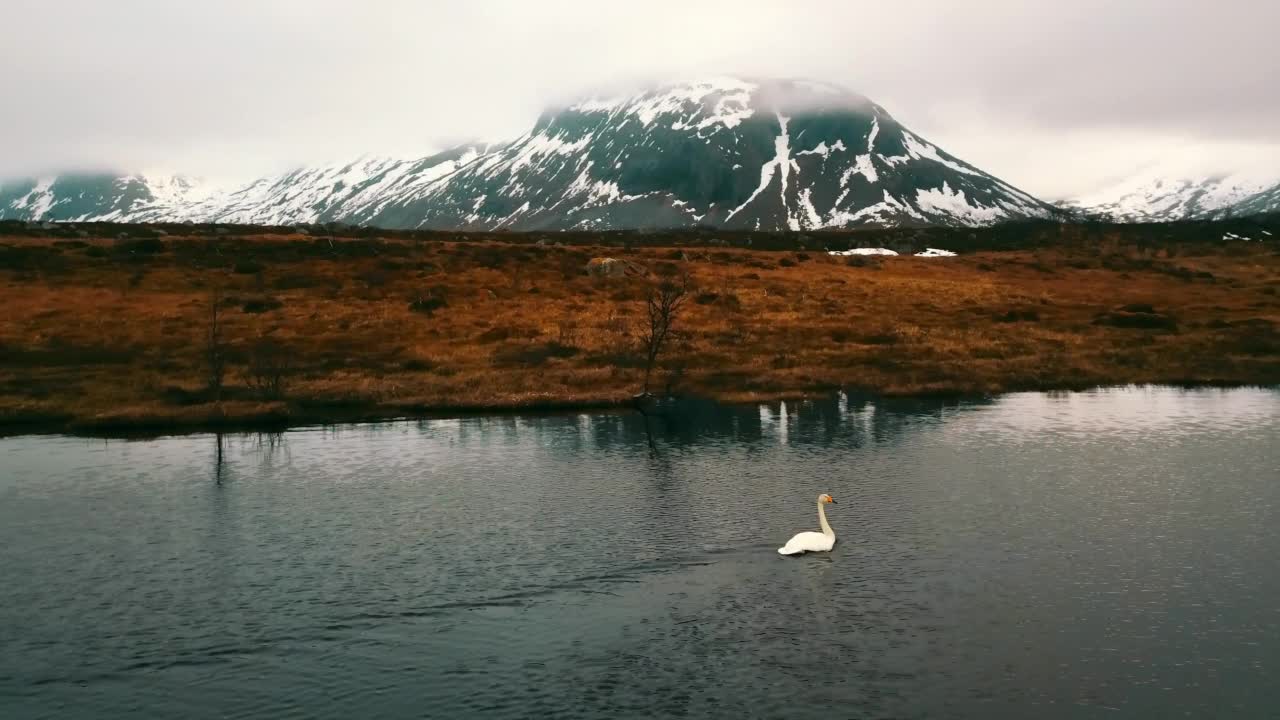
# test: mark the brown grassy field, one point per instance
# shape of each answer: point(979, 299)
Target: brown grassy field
point(100, 333)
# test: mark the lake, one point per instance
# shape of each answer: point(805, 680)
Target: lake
point(1102, 554)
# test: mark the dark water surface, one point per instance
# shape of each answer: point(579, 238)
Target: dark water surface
point(1106, 554)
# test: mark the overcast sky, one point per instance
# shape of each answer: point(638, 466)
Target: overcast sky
point(1056, 97)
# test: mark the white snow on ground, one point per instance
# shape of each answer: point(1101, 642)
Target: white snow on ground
point(883, 212)
point(493, 163)
point(1233, 236)
point(522, 209)
point(540, 145)
point(931, 252)
point(172, 197)
point(1015, 208)
point(38, 201)
point(782, 144)
point(823, 149)
point(844, 192)
point(862, 166)
point(730, 111)
point(811, 216)
point(682, 205)
point(177, 190)
point(862, 251)
point(603, 193)
point(782, 163)
point(920, 149)
point(596, 192)
point(731, 108)
point(306, 195)
point(401, 184)
point(298, 196)
point(953, 204)
point(475, 209)
point(377, 193)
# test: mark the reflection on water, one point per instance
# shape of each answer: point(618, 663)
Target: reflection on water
point(1063, 555)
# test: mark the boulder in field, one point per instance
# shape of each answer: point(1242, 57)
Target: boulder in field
point(613, 267)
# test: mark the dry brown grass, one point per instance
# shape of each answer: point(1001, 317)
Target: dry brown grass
point(105, 335)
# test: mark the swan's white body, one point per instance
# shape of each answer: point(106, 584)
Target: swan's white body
point(813, 541)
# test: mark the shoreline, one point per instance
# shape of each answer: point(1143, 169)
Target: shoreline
point(217, 421)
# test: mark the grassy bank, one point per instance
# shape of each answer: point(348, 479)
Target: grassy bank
point(115, 333)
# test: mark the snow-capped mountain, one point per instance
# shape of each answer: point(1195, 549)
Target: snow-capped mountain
point(725, 153)
point(105, 197)
point(345, 192)
point(729, 153)
point(1156, 197)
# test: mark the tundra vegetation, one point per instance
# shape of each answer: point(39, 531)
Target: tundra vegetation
point(191, 328)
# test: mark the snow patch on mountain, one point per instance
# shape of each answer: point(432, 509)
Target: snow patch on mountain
point(953, 204)
point(38, 201)
point(823, 150)
point(540, 145)
point(687, 103)
point(919, 149)
point(885, 213)
point(781, 164)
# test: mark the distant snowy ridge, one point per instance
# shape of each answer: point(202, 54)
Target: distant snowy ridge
point(1152, 197)
point(721, 152)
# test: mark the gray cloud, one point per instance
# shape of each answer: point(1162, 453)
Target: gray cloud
point(1053, 96)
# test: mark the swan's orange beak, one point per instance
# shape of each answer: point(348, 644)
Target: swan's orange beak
point(831, 500)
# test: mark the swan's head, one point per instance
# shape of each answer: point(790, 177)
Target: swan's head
point(825, 498)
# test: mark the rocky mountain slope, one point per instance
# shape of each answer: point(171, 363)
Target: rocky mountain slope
point(726, 153)
point(1264, 201)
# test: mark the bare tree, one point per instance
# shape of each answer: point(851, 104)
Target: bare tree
point(663, 304)
point(215, 347)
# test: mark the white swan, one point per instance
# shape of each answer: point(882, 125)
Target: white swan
point(813, 541)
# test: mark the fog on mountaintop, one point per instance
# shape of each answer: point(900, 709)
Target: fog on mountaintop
point(1058, 98)
point(788, 95)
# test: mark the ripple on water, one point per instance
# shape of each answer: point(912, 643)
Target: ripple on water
point(1033, 554)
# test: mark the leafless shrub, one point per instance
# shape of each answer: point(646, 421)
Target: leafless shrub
point(662, 304)
point(269, 366)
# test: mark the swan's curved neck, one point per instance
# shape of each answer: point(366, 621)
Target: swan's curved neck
point(822, 520)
